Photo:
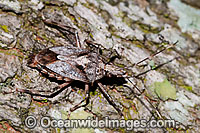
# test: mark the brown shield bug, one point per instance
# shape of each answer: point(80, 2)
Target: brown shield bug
point(70, 63)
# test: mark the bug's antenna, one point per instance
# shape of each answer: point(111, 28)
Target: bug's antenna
point(154, 54)
point(156, 67)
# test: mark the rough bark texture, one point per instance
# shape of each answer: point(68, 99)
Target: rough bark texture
point(135, 29)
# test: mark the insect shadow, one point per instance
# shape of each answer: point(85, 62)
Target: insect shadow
point(107, 81)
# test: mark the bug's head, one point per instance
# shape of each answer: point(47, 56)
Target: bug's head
point(112, 70)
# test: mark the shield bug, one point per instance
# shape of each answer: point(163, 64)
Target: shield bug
point(70, 63)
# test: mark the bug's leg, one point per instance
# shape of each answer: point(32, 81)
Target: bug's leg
point(95, 46)
point(91, 43)
point(51, 94)
point(98, 48)
point(85, 99)
point(69, 32)
point(113, 57)
point(108, 97)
